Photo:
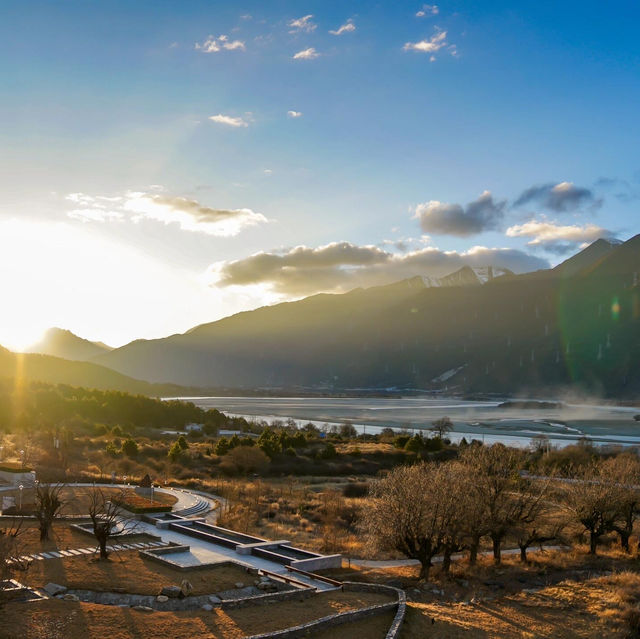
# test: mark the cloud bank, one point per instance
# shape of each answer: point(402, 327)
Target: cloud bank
point(557, 238)
point(189, 215)
point(442, 218)
point(560, 198)
point(341, 266)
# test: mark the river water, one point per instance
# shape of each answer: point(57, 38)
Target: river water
point(482, 420)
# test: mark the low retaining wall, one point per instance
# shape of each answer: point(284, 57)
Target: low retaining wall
point(318, 563)
point(330, 621)
point(297, 594)
point(394, 630)
point(159, 555)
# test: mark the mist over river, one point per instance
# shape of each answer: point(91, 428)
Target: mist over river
point(483, 420)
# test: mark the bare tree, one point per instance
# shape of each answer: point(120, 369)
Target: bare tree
point(442, 427)
point(106, 518)
point(495, 471)
point(12, 558)
point(406, 514)
point(48, 505)
point(592, 502)
point(623, 471)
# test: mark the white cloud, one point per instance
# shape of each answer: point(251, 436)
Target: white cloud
point(436, 42)
point(214, 45)
point(294, 114)
point(229, 120)
point(428, 10)
point(347, 27)
point(302, 24)
point(552, 236)
point(341, 266)
point(306, 54)
point(188, 214)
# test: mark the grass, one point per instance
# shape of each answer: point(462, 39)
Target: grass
point(128, 572)
point(77, 499)
point(55, 619)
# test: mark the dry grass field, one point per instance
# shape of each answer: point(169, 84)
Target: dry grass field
point(55, 619)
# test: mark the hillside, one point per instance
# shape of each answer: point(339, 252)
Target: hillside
point(514, 333)
point(62, 343)
point(54, 370)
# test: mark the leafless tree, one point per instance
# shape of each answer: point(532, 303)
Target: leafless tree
point(623, 472)
point(12, 558)
point(48, 505)
point(407, 514)
point(592, 502)
point(442, 427)
point(106, 518)
point(494, 470)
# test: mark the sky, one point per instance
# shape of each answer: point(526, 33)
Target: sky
point(165, 164)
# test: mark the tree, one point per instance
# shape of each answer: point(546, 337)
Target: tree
point(495, 471)
point(48, 505)
point(248, 459)
point(12, 557)
point(182, 442)
point(415, 444)
point(105, 518)
point(591, 501)
point(222, 447)
point(623, 471)
point(348, 431)
point(407, 513)
point(442, 427)
point(175, 452)
point(130, 447)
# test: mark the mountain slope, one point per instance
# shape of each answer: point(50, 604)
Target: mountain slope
point(587, 258)
point(54, 370)
point(62, 343)
point(513, 333)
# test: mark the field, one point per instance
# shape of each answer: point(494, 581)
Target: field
point(77, 499)
point(66, 620)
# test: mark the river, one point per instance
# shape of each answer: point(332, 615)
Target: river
point(483, 420)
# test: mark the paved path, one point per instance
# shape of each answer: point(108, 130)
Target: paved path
point(75, 552)
point(399, 563)
point(203, 551)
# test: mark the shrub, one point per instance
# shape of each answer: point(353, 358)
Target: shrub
point(356, 489)
point(130, 448)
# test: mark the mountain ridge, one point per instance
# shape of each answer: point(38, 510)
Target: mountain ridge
point(511, 333)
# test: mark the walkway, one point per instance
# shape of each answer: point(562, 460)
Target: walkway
point(75, 552)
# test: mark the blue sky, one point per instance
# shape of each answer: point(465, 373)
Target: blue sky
point(180, 151)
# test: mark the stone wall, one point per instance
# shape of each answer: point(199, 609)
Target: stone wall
point(330, 621)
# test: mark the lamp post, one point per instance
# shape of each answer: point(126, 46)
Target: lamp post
point(21, 488)
point(22, 457)
point(152, 492)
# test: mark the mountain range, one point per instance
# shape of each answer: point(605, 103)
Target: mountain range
point(477, 330)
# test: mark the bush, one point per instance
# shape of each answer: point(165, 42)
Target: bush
point(400, 440)
point(130, 448)
point(329, 452)
point(356, 489)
